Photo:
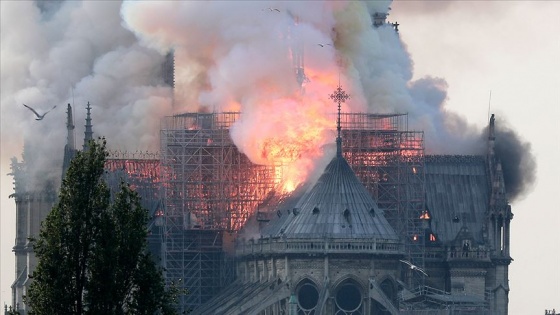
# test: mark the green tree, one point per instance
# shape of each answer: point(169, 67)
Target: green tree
point(92, 249)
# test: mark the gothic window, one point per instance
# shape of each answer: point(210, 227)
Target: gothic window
point(348, 299)
point(307, 297)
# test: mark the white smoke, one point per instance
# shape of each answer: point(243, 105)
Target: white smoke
point(228, 56)
point(54, 53)
point(235, 56)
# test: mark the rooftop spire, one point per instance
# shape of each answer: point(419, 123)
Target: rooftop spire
point(491, 157)
point(491, 136)
point(339, 96)
point(69, 149)
point(70, 127)
point(88, 134)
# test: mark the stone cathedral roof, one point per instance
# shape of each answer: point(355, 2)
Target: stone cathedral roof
point(457, 194)
point(337, 206)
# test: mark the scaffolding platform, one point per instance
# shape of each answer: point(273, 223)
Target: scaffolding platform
point(210, 188)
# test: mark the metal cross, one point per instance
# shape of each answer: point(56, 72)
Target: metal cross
point(339, 95)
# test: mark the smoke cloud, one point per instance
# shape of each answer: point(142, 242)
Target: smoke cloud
point(518, 162)
point(228, 56)
point(59, 52)
point(237, 57)
point(245, 55)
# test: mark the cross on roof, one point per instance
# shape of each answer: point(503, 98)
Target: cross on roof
point(339, 96)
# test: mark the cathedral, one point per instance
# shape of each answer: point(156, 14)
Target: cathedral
point(385, 229)
point(330, 249)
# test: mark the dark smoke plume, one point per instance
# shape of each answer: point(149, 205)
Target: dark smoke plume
point(518, 162)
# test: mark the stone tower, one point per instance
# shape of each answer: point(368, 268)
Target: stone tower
point(35, 195)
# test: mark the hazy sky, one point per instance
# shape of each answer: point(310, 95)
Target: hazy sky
point(510, 48)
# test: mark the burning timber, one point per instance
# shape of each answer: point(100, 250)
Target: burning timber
point(211, 188)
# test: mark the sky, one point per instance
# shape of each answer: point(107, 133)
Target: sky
point(496, 57)
point(510, 49)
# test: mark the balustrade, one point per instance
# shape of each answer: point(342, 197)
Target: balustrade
point(468, 254)
point(316, 246)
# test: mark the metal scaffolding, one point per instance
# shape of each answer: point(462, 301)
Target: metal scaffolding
point(389, 160)
point(210, 189)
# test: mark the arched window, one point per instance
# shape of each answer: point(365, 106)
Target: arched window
point(348, 299)
point(307, 297)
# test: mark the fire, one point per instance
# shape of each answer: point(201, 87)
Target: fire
point(294, 174)
point(425, 215)
point(289, 186)
point(288, 128)
point(295, 149)
point(290, 136)
point(284, 181)
point(295, 143)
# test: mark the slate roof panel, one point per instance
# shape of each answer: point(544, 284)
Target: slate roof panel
point(456, 186)
point(321, 210)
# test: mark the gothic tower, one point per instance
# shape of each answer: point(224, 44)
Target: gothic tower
point(88, 133)
point(35, 195)
point(499, 216)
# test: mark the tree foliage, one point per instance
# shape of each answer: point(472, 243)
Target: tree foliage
point(92, 249)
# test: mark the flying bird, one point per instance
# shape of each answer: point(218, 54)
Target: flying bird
point(39, 117)
point(273, 9)
point(323, 45)
point(414, 267)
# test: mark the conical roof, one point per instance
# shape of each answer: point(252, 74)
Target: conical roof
point(337, 206)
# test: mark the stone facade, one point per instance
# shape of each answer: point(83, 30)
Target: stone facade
point(464, 241)
point(31, 209)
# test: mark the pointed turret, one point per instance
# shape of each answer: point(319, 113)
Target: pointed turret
point(70, 128)
point(88, 134)
point(70, 147)
point(499, 211)
point(498, 194)
point(338, 206)
point(491, 137)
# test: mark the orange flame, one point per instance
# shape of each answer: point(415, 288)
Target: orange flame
point(289, 131)
point(290, 136)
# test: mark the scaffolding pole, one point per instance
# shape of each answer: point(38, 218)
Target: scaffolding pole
point(389, 161)
point(210, 188)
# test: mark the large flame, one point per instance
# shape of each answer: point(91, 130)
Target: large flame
point(290, 135)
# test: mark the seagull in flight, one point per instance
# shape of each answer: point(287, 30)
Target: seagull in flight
point(323, 45)
point(39, 117)
point(414, 267)
point(272, 9)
